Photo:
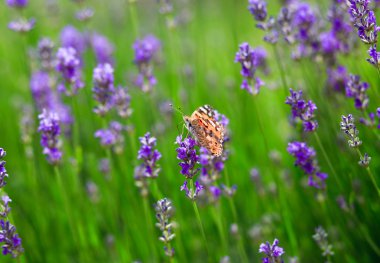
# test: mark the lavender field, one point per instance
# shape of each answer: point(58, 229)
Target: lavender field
point(109, 152)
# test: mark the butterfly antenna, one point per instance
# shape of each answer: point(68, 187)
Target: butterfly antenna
point(178, 109)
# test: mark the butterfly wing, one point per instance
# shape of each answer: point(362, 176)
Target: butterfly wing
point(208, 132)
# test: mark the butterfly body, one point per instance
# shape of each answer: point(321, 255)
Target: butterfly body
point(208, 132)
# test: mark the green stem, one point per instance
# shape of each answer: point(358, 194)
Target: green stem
point(370, 174)
point(132, 13)
point(199, 219)
point(218, 220)
point(281, 69)
point(327, 159)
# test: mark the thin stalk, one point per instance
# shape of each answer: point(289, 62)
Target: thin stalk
point(134, 20)
point(281, 69)
point(327, 159)
point(216, 211)
point(370, 174)
point(199, 219)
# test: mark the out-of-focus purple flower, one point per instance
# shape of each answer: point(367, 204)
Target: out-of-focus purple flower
point(146, 50)
point(302, 110)
point(103, 49)
point(371, 120)
point(192, 194)
point(357, 90)
point(258, 9)
point(3, 171)
point(72, 38)
point(337, 78)
point(68, 65)
point(84, 14)
point(250, 60)
point(45, 54)
point(92, 191)
point(303, 20)
point(347, 125)
point(187, 154)
point(320, 237)
point(365, 22)
point(273, 252)
point(306, 160)
point(45, 98)
point(50, 132)
point(149, 155)
point(104, 167)
point(122, 102)
point(103, 89)
point(22, 25)
point(164, 212)
point(112, 136)
point(17, 3)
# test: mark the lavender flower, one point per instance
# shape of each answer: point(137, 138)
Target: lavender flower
point(149, 156)
point(69, 66)
point(365, 22)
point(22, 25)
point(112, 137)
point(192, 194)
point(17, 3)
point(187, 154)
point(357, 90)
point(103, 88)
point(84, 14)
point(146, 50)
point(371, 120)
point(250, 60)
point(348, 126)
point(50, 132)
point(103, 49)
point(122, 102)
point(273, 252)
point(305, 159)
point(45, 54)
point(320, 237)
point(164, 212)
point(337, 78)
point(258, 9)
point(11, 242)
point(72, 38)
point(302, 110)
point(365, 160)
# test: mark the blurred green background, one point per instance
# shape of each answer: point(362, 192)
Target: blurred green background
point(196, 67)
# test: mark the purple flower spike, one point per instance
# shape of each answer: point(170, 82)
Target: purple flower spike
point(302, 110)
point(112, 137)
point(273, 252)
point(17, 3)
point(358, 91)
point(250, 60)
point(187, 154)
point(149, 156)
point(122, 102)
point(72, 38)
point(103, 88)
point(68, 65)
point(146, 50)
point(50, 132)
point(22, 25)
point(258, 9)
point(305, 159)
point(103, 49)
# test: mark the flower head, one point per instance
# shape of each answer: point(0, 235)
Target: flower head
point(72, 38)
point(149, 155)
point(305, 159)
point(45, 54)
point(103, 89)
point(258, 9)
point(187, 154)
point(103, 49)
point(320, 237)
point(164, 212)
point(304, 110)
point(357, 90)
point(273, 252)
point(112, 136)
point(348, 126)
point(50, 131)
point(22, 25)
point(122, 102)
point(17, 3)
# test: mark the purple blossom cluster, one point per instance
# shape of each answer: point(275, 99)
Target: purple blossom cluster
point(347, 125)
point(10, 240)
point(358, 91)
point(17, 3)
point(250, 60)
point(189, 159)
point(373, 119)
point(103, 89)
point(122, 102)
point(149, 155)
point(68, 65)
point(320, 237)
point(146, 50)
point(364, 20)
point(112, 137)
point(164, 212)
point(302, 110)
point(273, 252)
point(46, 54)
point(337, 78)
point(21, 24)
point(306, 160)
point(102, 48)
point(73, 38)
point(50, 132)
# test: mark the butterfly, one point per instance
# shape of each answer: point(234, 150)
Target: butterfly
point(206, 130)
